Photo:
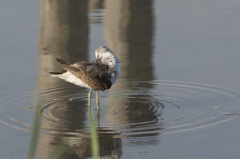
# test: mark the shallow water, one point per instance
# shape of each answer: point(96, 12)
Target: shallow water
point(177, 97)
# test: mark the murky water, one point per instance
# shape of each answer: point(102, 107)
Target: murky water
point(178, 95)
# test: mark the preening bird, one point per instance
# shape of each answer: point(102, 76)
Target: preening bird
point(97, 75)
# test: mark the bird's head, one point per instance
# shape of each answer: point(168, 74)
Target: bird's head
point(106, 56)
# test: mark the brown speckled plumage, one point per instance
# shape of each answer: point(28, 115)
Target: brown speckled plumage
point(95, 74)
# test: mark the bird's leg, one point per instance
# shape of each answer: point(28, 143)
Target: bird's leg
point(89, 97)
point(97, 100)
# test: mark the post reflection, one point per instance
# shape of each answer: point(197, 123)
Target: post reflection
point(64, 31)
point(95, 6)
point(64, 34)
point(129, 33)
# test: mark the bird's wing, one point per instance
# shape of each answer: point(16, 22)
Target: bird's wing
point(92, 73)
point(67, 66)
point(95, 75)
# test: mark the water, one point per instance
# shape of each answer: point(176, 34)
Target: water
point(178, 95)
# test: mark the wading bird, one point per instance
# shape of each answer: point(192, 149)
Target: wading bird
point(97, 75)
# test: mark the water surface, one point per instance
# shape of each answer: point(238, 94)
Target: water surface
point(178, 95)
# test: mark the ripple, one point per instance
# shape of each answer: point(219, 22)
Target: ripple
point(130, 109)
point(180, 107)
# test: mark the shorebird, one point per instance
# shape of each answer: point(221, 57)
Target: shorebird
point(97, 75)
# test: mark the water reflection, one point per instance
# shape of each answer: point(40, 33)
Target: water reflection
point(96, 4)
point(95, 9)
point(129, 32)
point(64, 33)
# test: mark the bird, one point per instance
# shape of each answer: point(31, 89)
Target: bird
point(97, 75)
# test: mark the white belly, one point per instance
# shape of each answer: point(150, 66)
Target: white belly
point(69, 77)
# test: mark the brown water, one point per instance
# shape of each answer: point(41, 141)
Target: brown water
point(178, 95)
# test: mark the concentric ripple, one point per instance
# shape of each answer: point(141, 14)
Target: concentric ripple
point(130, 109)
point(178, 107)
